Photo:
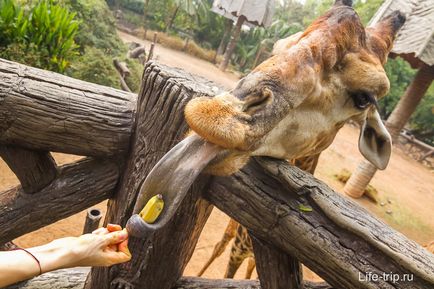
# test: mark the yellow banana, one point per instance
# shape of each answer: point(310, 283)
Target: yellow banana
point(152, 209)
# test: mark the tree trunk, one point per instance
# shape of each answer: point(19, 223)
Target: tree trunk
point(228, 28)
point(171, 19)
point(360, 179)
point(145, 16)
point(160, 261)
point(364, 173)
point(409, 101)
point(232, 43)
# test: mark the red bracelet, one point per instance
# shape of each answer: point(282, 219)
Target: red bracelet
point(33, 256)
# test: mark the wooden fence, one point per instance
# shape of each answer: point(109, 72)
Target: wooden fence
point(123, 136)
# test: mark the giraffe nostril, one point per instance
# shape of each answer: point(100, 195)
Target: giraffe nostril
point(253, 103)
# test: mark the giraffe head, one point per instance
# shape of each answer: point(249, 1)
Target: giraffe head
point(293, 104)
point(290, 106)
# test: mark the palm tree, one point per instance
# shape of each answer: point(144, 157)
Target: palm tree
point(360, 179)
point(191, 7)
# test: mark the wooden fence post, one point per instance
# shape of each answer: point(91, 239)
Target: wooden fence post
point(276, 269)
point(159, 126)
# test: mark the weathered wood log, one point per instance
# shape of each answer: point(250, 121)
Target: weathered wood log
point(121, 67)
point(34, 169)
point(78, 186)
point(69, 115)
point(160, 125)
point(152, 47)
point(151, 52)
point(124, 84)
point(75, 279)
point(93, 217)
point(136, 52)
point(201, 283)
point(338, 240)
point(59, 279)
point(276, 269)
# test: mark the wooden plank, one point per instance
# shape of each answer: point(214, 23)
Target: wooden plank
point(34, 169)
point(78, 186)
point(337, 239)
point(69, 115)
point(160, 125)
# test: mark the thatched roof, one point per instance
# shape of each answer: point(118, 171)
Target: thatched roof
point(415, 41)
point(257, 12)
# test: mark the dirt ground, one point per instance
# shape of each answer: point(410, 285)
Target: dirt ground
point(408, 185)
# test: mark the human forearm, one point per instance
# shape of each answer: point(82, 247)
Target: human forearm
point(105, 247)
point(19, 265)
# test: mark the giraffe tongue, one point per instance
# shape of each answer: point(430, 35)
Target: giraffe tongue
point(173, 175)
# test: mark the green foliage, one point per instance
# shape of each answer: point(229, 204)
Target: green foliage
point(251, 41)
point(13, 24)
point(133, 81)
point(48, 26)
point(95, 66)
point(53, 28)
point(98, 27)
point(29, 54)
point(422, 121)
point(137, 6)
point(367, 9)
point(400, 75)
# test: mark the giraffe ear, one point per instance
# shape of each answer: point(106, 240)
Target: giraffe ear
point(375, 142)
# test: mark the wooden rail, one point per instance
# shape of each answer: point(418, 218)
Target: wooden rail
point(76, 278)
point(41, 110)
point(77, 187)
point(337, 239)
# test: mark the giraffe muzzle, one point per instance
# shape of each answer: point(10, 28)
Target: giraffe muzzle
point(172, 177)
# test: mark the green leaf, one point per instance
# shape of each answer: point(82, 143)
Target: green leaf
point(305, 208)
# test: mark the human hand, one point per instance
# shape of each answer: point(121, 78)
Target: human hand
point(104, 247)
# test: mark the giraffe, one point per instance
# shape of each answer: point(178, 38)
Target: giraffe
point(293, 104)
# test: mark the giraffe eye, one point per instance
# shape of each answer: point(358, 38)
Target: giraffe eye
point(362, 99)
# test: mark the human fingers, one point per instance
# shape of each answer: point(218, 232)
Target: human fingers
point(123, 247)
point(113, 227)
point(115, 237)
point(112, 257)
point(101, 231)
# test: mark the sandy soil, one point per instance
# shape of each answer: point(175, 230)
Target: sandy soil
point(182, 60)
point(407, 184)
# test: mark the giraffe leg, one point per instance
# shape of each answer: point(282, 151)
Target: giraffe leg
point(241, 249)
point(221, 245)
point(250, 267)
